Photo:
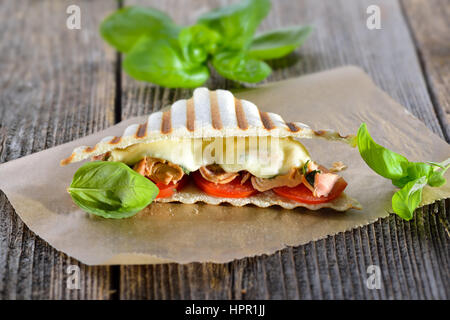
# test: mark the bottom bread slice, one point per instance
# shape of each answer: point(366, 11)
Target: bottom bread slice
point(191, 194)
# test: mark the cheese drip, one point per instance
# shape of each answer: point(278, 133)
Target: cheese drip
point(264, 157)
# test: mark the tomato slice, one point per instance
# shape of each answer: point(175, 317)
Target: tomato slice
point(167, 190)
point(233, 189)
point(302, 194)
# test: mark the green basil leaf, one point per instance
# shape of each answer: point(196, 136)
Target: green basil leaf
point(161, 61)
point(407, 199)
point(383, 161)
point(278, 43)
point(237, 23)
point(311, 177)
point(305, 168)
point(126, 26)
point(411, 177)
point(414, 170)
point(111, 189)
point(197, 42)
point(239, 67)
point(437, 179)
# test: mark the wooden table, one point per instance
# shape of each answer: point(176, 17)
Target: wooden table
point(57, 85)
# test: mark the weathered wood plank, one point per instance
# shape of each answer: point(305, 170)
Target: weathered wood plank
point(413, 256)
point(412, 268)
point(432, 41)
point(56, 85)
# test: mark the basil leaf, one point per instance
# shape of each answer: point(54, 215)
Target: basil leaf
point(383, 161)
point(161, 61)
point(437, 179)
point(111, 189)
point(126, 26)
point(407, 199)
point(411, 177)
point(414, 170)
point(197, 42)
point(311, 177)
point(278, 43)
point(305, 168)
point(237, 23)
point(239, 67)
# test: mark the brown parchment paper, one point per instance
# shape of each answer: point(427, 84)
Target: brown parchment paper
point(339, 99)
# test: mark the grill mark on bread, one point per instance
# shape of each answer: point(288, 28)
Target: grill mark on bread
point(166, 123)
point(115, 140)
point(67, 160)
point(190, 114)
point(90, 149)
point(240, 115)
point(215, 113)
point(142, 130)
point(292, 127)
point(266, 121)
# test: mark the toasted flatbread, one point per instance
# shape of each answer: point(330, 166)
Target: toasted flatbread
point(207, 114)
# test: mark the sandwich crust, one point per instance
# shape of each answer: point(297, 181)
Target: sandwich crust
point(208, 114)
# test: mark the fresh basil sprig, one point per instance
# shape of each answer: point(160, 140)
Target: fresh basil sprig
point(411, 177)
point(111, 189)
point(159, 51)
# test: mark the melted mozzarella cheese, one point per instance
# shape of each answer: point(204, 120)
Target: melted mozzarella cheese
point(263, 157)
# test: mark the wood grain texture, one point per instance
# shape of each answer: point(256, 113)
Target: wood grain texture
point(413, 256)
point(56, 85)
point(432, 41)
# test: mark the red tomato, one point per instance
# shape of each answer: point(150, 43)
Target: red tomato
point(167, 190)
point(233, 189)
point(302, 194)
